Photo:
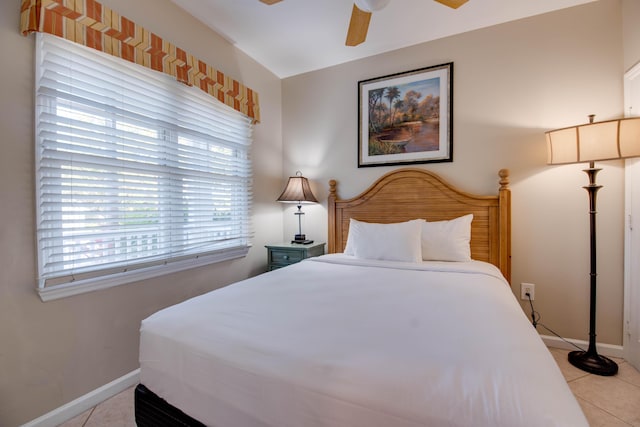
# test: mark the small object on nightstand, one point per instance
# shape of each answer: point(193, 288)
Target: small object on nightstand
point(284, 254)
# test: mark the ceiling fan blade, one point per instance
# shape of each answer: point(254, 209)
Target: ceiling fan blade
point(358, 26)
point(270, 1)
point(452, 3)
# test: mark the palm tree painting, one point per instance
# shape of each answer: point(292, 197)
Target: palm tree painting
point(404, 117)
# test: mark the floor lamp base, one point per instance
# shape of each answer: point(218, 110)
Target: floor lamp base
point(593, 363)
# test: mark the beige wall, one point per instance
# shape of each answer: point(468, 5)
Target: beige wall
point(54, 352)
point(512, 82)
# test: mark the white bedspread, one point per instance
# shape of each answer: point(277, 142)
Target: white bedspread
point(334, 341)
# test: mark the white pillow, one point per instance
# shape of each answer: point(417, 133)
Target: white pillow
point(447, 240)
point(391, 242)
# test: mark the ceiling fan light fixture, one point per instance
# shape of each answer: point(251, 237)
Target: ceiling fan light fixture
point(371, 5)
point(454, 4)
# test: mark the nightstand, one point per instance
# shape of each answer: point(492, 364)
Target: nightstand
point(284, 254)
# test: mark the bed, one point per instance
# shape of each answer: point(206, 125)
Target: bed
point(408, 321)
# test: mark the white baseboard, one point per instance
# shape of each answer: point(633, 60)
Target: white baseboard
point(609, 350)
point(88, 401)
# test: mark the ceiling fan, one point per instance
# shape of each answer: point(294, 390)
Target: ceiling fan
point(361, 15)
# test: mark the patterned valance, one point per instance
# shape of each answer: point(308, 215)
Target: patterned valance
point(91, 24)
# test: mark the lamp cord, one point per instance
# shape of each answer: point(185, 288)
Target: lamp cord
point(535, 321)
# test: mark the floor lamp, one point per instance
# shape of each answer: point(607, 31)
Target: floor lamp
point(298, 191)
point(608, 140)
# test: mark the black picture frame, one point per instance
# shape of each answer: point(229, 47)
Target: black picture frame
point(406, 118)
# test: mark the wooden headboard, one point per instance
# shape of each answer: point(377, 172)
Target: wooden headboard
point(409, 193)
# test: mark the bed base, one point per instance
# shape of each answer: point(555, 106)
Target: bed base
point(153, 411)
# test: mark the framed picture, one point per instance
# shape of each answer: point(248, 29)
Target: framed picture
point(406, 117)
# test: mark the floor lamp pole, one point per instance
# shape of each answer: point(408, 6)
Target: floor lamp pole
point(590, 360)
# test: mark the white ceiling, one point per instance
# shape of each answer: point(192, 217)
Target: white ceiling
point(297, 36)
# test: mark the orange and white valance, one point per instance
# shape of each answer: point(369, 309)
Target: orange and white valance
point(91, 24)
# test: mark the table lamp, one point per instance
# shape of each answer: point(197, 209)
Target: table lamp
point(298, 191)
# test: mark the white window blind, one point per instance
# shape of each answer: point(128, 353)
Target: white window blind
point(134, 169)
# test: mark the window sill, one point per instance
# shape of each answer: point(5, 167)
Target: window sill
point(94, 284)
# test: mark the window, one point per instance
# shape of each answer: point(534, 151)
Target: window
point(137, 174)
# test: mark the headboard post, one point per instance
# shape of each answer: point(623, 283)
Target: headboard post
point(331, 206)
point(505, 224)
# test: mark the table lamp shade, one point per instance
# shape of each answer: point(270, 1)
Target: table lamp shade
point(608, 140)
point(297, 190)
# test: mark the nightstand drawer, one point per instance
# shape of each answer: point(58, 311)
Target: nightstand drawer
point(284, 257)
point(284, 254)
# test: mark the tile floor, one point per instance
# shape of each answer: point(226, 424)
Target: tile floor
point(606, 401)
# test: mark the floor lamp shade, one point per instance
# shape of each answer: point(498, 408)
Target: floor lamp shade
point(298, 191)
point(608, 140)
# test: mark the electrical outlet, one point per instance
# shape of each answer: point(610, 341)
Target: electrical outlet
point(527, 288)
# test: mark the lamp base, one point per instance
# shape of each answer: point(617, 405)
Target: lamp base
point(301, 239)
point(593, 363)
